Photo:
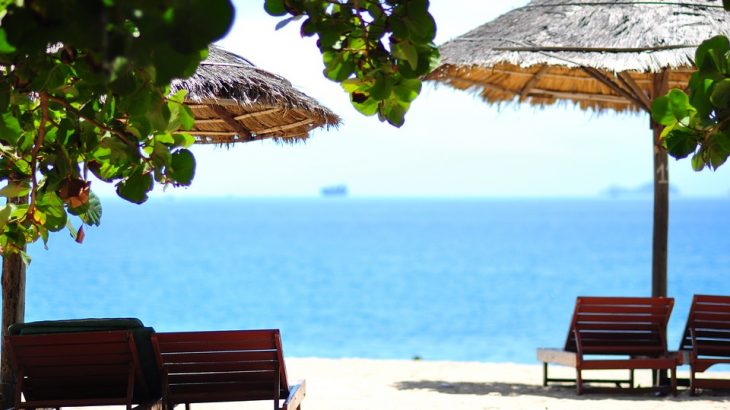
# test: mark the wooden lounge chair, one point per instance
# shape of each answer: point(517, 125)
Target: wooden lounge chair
point(223, 366)
point(706, 339)
point(77, 369)
point(633, 328)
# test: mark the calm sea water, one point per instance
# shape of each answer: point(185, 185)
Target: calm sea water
point(486, 280)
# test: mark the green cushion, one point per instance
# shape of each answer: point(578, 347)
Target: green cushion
point(74, 325)
point(140, 333)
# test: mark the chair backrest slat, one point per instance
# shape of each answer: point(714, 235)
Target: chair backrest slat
point(620, 325)
point(222, 365)
point(709, 320)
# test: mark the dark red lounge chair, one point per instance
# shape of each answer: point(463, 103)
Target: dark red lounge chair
point(706, 339)
point(77, 369)
point(631, 328)
point(224, 366)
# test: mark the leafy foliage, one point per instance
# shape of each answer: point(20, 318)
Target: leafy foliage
point(698, 123)
point(377, 49)
point(84, 88)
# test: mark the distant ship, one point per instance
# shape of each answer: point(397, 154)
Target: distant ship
point(334, 191)
point(645, 191)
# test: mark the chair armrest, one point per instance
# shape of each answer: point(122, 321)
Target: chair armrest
point(296, 395)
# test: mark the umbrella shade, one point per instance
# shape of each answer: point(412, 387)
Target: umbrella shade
point(234, 101)
point(599, 54)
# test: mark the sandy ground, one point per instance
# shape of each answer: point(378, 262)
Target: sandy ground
point(345, 384)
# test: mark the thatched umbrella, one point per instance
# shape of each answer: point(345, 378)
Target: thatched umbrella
point(232, 101)
point(600, 54)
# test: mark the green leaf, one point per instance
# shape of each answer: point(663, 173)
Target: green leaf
point(200, 23)
point(275, 7)
point(10, 130)
point(181, 117)
point(720, 95)
point(680, 143)
point(661, 112)
point(5, 213)
point(92, 216)
point(53, 208)
point(367, 106)
point(407, 89)
point(5, 47)
point(726, 5)
point(420, 23)
point(698, 163)
point(382, 88)
point(182, 167)
point(394, 112)
point(710, 55)
point(135, 188)
point(183, 139)
point(679, 104)
point(404, 50)
point(15, 190)
point(700, 95)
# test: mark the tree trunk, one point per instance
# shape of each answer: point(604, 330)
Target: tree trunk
point(661, 199)
point(13, 311)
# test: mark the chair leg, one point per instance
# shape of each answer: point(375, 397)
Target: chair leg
point(674, 381)
point(631, 378)
point(544, 374)
point(692, 389)
point(578, 381)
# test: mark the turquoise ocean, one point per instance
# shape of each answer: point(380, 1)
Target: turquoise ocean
point(447, 279)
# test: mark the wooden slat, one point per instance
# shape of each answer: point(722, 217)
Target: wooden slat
point(556, 356)
point(225, 346)
point(84, 338)
point(199, 378)
point(218, 367)
point(241, 389)
point(101, 349)
point(222, 357)
point(111, 359)
point(216, 336)
point(649, 363)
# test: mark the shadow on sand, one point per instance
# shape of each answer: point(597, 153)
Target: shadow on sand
point(563, 392)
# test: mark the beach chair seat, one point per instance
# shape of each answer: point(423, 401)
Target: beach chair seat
point(225, 366)
point(77, 369)
point(615, 333)
point(706, 340)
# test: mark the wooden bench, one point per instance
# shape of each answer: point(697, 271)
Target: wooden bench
point(76, 369)
point(706, 339)
point(223, 366)
point(615, 333)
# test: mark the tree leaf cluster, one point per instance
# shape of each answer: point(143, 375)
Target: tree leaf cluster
point(697, 123)
point(84, 90)
point(377, 49)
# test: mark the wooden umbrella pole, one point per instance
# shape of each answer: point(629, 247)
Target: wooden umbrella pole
point(660, 235)
point(13, 311)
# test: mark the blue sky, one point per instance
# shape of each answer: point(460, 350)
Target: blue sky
point(452, 145)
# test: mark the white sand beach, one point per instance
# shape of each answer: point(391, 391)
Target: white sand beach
point(359, 384)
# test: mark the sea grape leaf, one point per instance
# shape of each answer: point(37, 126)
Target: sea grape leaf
point(182, 164)
point(135, 188)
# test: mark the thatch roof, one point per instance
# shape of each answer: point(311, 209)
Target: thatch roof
point(234, 101)
point(550, 50)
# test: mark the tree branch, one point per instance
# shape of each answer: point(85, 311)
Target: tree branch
point(92, 121)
